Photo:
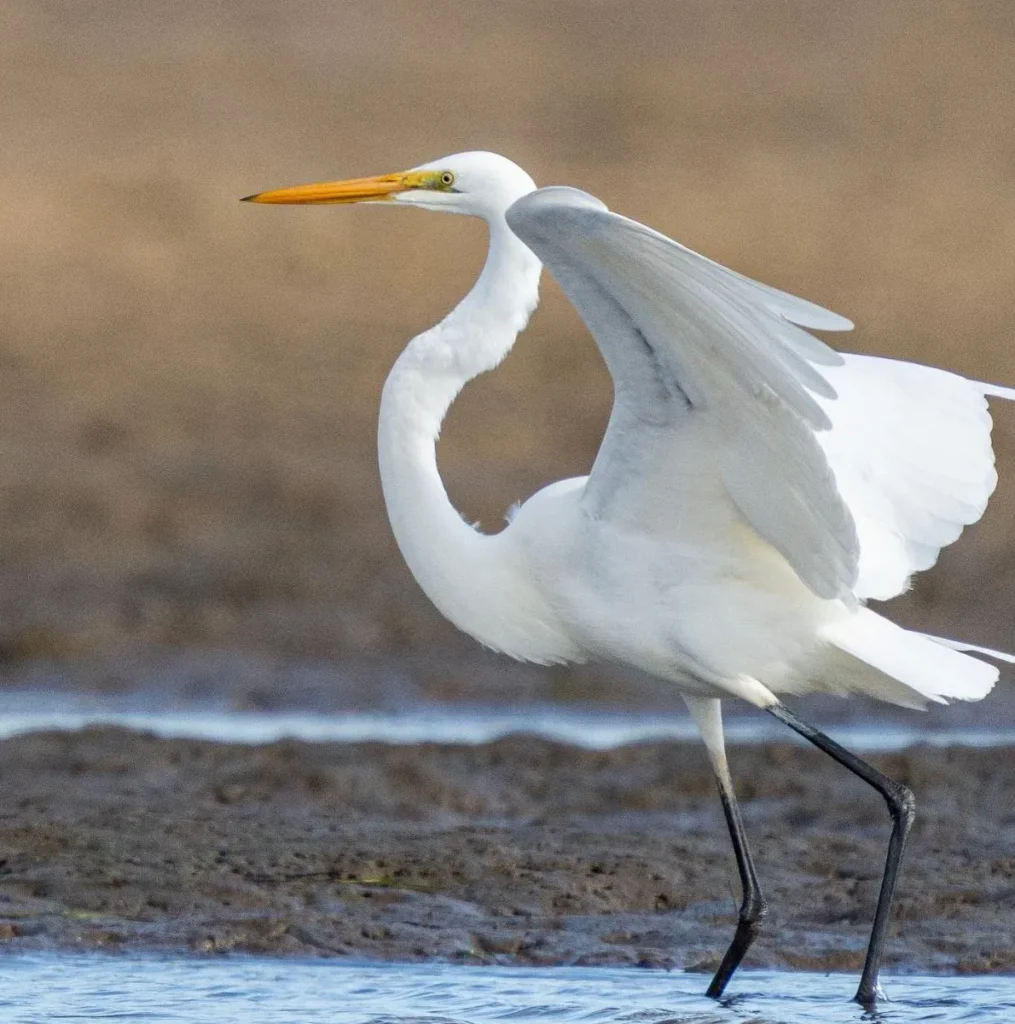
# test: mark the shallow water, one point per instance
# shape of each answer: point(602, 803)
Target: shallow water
point(32, 711)
point(233, 990)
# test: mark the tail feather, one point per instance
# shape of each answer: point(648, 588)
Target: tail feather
point(903, 667)
point(995, 390)
point(959, 645)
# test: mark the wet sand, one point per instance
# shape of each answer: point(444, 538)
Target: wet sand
point(516, 851)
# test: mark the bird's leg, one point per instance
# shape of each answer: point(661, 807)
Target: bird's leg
point(902, 806)
point(707, 713)
point(753, 907)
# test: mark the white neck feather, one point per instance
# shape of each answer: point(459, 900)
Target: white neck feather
point(464, 572)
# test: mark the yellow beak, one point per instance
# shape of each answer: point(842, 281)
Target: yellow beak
point(353, 190)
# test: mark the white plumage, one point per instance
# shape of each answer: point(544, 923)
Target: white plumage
point(732, 427)
point(753, 490)
point(910, 448)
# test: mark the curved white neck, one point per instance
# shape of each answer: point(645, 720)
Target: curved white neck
point(463, 571)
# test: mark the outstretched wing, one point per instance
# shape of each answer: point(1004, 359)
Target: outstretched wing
point(910, 449)
point(713, 379)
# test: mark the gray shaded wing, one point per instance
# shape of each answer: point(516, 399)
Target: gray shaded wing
point(707, 365)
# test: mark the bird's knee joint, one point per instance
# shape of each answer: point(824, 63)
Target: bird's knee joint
point(903, 804)
point(754, 910)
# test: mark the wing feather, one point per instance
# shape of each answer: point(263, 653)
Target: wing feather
point(688, 341)
point(910, 449)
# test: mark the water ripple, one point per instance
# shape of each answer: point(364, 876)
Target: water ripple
point(235, 990)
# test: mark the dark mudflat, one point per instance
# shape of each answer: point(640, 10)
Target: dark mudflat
point(520, 850)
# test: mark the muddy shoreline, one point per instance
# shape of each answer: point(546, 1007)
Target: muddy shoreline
point(521, 850)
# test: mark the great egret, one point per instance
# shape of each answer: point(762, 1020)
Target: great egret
point(753, 490)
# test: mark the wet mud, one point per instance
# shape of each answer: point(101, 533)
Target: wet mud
point(520, 851)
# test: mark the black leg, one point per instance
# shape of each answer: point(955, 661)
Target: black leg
point(753, 907)
point(902, 806)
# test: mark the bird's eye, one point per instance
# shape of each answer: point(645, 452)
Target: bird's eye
point(447, 178)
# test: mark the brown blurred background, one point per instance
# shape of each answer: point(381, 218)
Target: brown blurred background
point(189, 386)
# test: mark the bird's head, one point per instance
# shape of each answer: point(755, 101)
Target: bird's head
point(481, 184)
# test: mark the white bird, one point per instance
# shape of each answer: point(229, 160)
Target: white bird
point(754, 487)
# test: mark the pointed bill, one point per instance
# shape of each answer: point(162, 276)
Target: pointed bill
point(352, 190)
